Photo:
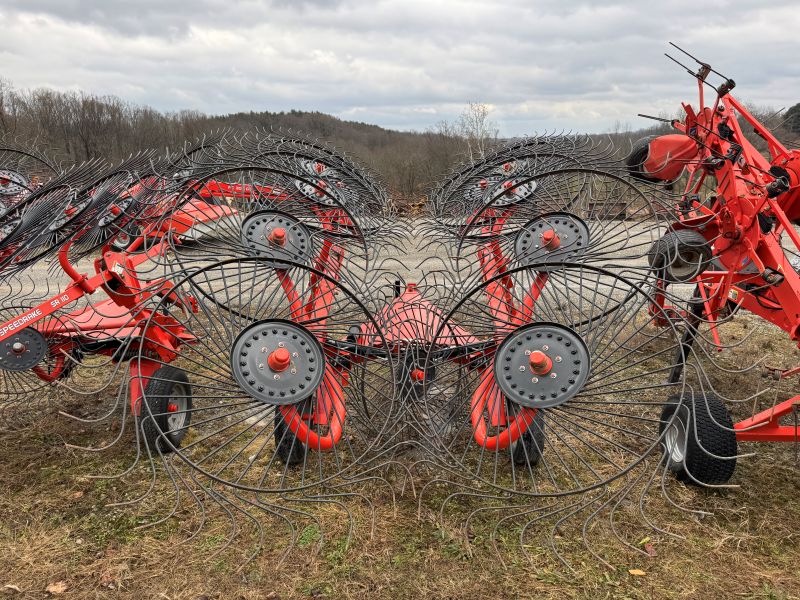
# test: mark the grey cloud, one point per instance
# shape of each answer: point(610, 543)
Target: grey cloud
point(542, 64)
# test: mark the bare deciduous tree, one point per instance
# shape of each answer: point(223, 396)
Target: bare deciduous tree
point(477, 130)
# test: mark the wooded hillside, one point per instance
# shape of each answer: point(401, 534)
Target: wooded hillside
point(75, 126)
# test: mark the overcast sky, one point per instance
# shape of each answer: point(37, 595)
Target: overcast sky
point(542, 65)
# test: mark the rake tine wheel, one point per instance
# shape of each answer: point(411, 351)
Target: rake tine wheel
point(65, 335)
point(27, 229)
point(558, 384)
point(278, 198)
point(550, 200)
point(261, 395)
point(22, 172)
point(114, 204)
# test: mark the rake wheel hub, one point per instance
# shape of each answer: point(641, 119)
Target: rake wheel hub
point(23, 350)
point(278, 236)
point(71, 211)
point(551, 238)
point(319, 193)
point(273, 235)
point(316, 168)
point(277, 362)
point(115, 212)
point(542, 365)
point(513, 193)
point(12, 183)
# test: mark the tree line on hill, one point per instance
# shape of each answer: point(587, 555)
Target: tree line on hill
point(76, 126)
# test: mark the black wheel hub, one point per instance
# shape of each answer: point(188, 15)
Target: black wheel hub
point(316, 168)
point(561, 378)
point(23, 350)
point(499, 191)
point(273, 235)
point(277, 362)
point(510, 192)
point(72, 211)
point(551, 238)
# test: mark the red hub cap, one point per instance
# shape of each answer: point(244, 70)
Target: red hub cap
point(279, 360)
point(541, 364)
point(278, 236)
point(550, 239)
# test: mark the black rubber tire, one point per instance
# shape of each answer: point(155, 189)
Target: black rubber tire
point(289, 449)
point(73, 360)
point(636, 159)
point(664, 250)
point(409, 389)
point(528, 449)
point(710, 432)
point(154, 418)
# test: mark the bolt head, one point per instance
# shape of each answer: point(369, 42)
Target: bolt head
point(534, 380)
point(545, 347)
point(553, 375)
point(522, 369)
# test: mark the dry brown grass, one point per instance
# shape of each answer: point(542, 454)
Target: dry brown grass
point(55, 527)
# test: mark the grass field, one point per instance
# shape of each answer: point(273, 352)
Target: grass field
point(59, 537)
point(56, 531)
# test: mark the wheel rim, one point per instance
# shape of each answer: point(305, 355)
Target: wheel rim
point(687, 265)
point(675, 442)
point(177, 407)
point(25, 376)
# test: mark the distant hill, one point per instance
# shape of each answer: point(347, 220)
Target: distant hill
point(73, 127)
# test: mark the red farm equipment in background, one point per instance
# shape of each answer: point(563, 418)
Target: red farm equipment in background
point(735, 238)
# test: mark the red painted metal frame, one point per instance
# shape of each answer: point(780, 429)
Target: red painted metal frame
point(756, 274)
point(401, 321)
point(507, 316)
point(121, 316)
point(410, 319)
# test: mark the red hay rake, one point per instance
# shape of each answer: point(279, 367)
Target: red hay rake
point(542, 366)
point(734, 238)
